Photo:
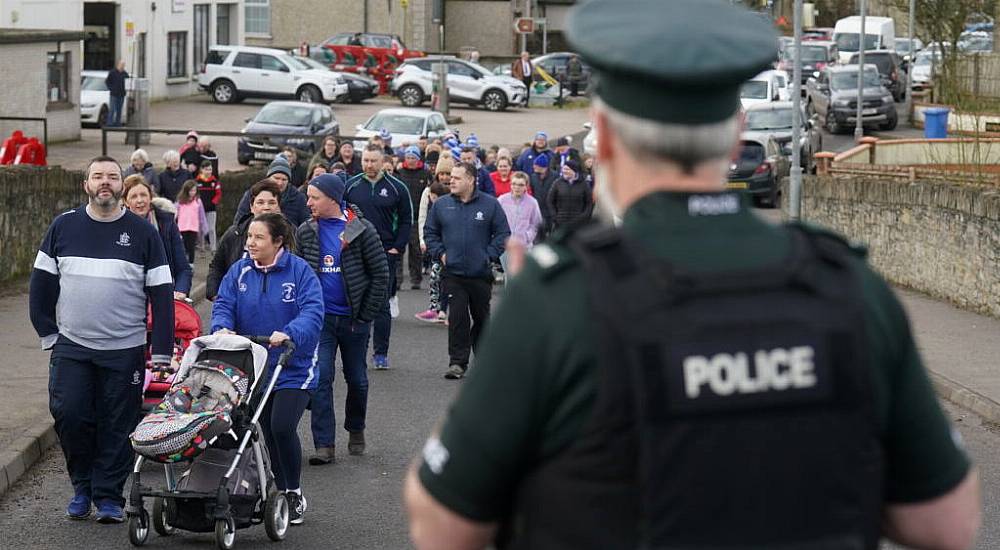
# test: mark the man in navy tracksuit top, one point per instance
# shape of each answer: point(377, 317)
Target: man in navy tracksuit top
point(95, 271)
point(466, 232)
point(385, 201)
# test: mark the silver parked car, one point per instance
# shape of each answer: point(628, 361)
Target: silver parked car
point(467, 83)
point(774, 120)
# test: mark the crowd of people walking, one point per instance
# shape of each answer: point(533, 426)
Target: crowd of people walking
point(335, 229)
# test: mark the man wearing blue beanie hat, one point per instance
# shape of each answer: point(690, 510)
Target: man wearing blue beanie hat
point(541, 181)
point(416, 177)
point(346, 252)
point(539, 146)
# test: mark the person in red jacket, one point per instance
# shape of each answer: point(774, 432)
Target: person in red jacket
point(210, 193)
point(501, 178)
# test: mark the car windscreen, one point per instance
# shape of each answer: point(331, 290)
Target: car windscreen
point(754, 89)
point(925, 59)
point(880, 60)
point(810, 54)
point(849, 80)
point(769, 119)
point(396, 123)
point(93, 83)
point(751, 152)
point(295, 63)
point(286, 115)
point(848, 41)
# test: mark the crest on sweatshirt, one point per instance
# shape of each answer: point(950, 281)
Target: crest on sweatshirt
point(287, 292)
point(124, 240)
point(479, 216)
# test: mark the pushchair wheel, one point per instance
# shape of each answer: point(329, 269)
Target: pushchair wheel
point(160, 524)
point(276, 516)
point(138, 527)
point(225, 533)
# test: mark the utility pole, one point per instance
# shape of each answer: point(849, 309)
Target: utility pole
point(913, 59)
point(859, 128)
point(795, 179)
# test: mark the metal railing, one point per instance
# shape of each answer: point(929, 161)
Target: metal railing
point(135, 133)
point(44, 121)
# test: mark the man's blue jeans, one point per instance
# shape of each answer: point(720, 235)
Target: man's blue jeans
point(115, 113)
point(351, 336)
point(383, 322)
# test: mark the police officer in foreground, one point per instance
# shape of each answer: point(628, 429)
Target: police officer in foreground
point(697, 378)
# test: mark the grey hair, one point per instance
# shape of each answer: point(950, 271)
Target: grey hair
point(688, 145)
point(171, 156)
point(139, 154)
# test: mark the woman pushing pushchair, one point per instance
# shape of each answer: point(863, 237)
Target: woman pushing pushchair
point(275, 292)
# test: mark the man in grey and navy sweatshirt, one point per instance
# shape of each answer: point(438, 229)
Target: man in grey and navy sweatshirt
point(97, 268)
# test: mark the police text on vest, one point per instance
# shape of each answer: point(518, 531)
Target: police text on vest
point(725, 374)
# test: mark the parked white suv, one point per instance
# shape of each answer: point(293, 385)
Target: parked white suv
point(232, 73)
point(467, 83)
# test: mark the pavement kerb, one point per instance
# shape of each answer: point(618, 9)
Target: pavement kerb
point(23, 452)
point(965, 397)
point(18, 457)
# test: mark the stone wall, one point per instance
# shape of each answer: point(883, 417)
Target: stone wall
point(31, 197)
point(939, 238)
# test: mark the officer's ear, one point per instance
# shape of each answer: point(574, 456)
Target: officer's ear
point(602, 130)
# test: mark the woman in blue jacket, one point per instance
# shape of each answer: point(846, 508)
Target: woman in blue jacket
point(273, 292)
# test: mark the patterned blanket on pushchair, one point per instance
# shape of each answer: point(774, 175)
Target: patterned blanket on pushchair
point(195, 411)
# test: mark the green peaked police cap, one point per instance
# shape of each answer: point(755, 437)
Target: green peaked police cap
point(674, 61)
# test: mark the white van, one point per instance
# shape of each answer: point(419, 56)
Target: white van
point(880, 34)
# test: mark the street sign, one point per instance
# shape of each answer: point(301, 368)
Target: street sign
point(404, 3)
point(524, 25)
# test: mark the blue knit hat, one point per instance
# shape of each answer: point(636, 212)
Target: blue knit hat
point(279, 165)
point(456, 154)
point(385, 135)
point(542, 161)
point(472, 141)
point(542, 135)
point(452, 143)
point(331, 185)
point(412, 150)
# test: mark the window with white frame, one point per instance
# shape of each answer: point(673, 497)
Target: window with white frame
point(258, 17)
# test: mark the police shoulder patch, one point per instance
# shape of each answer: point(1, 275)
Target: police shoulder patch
point(552, 260)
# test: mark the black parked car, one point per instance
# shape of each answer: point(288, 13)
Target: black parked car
point(313, 120)
point(889, 69)
point(359, 87)
point(758, 170)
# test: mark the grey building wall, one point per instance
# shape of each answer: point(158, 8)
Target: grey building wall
point(486, 26)
point(24, 79)
point(313, 21)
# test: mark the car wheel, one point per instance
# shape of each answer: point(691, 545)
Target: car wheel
point(494, 100)
point(310, 94)
point(244, 161)
point(831, 123)
point(102, 117)
point(224, 91)
point(891, 124)
point(810, 110)
point(411, 95)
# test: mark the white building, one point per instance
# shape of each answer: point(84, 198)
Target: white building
point(162, 40)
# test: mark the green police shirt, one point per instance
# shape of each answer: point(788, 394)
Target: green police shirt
point(535, 378)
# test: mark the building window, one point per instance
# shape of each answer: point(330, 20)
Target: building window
point(222, 22)
point(140, 55)
point(258, 17)
point(176, 54)
point(201, 30)
point(58, 85)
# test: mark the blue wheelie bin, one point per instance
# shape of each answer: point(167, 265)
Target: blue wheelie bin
point(936, 123)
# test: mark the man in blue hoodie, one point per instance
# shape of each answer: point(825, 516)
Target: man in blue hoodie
point(384, 200)
point(466, 232)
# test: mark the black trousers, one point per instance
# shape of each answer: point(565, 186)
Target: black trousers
point(527, 84)
point(415, 258)
point(467, 298)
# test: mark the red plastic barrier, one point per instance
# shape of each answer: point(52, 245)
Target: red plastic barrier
point(32, 153)
point(11, 145)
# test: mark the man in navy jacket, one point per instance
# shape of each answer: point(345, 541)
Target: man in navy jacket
point(466, 231)
point(384, 200)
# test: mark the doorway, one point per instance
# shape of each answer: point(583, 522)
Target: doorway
point(100, 43)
